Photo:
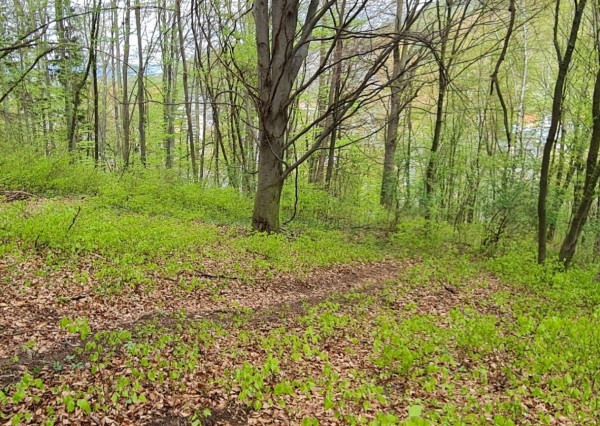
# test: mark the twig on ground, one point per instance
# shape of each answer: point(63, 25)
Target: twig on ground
point(74, 219)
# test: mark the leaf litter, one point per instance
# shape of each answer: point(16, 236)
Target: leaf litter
point(270, 350)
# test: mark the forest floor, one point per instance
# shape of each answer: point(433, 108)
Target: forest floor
point(233, 335)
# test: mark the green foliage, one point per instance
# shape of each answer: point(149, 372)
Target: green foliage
point(421, 236)
point(27, 170)
point(534, 338)
point(318, 208)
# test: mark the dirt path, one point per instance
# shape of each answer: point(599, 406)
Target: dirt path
point(32, 312)
point(31, 307)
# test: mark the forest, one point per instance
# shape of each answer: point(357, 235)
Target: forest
point(299, 212)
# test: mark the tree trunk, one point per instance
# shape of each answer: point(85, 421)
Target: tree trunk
point(140, 86)
point(94, 59)
point(125, 113)
point(430, 173)
point(557, 104)
point(186, 92)
point(334, 98)
point(435, 144)
point(65, 77)
point(319, 167)
point(169, 82)
point(388, 181)
point(71, 136)
point(270, 183)
point(116, 69)
point(592, 173)
point(407, 183)
point(278, 66)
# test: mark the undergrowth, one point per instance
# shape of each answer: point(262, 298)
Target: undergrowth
point(462, 336)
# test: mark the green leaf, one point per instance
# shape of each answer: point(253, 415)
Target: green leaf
point(84, 405)
point(415, 411)
point(64, 322)
point(18, 396)
point(328, 403)
point(70, 402)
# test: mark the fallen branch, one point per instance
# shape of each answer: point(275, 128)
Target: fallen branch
point(14, 333)
point(74, 219)
point(74, 298)
point(216, 277)
point(450, 290)
point(16, 195)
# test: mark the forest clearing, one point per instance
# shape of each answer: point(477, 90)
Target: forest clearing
point(299, 212)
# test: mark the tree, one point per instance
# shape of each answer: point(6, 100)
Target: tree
point(281, 51)
point(400, 57)
point(125, 73)
point(140, 85)
point(581, 208)
point(564, 62)
point(169, 64)
point(280, 55)
point(77, 91)
point(186, 90)
point(456, 23)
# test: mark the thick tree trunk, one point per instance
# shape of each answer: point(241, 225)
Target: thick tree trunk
point(278, 66)
point(281, 51)
point(388, 181)
point(268, 193)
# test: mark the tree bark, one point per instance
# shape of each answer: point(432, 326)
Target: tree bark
point(125, 113)
point(592, 173)
point(319, 166)
point(430, 173)
point(116, 69)
point(140, 86)
point(557, 105)
point(94, 59)
point(334, 97)
point(279, 61)
point(435, 144)
point(389, 181)
point(71, 136)
point(186, 92)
